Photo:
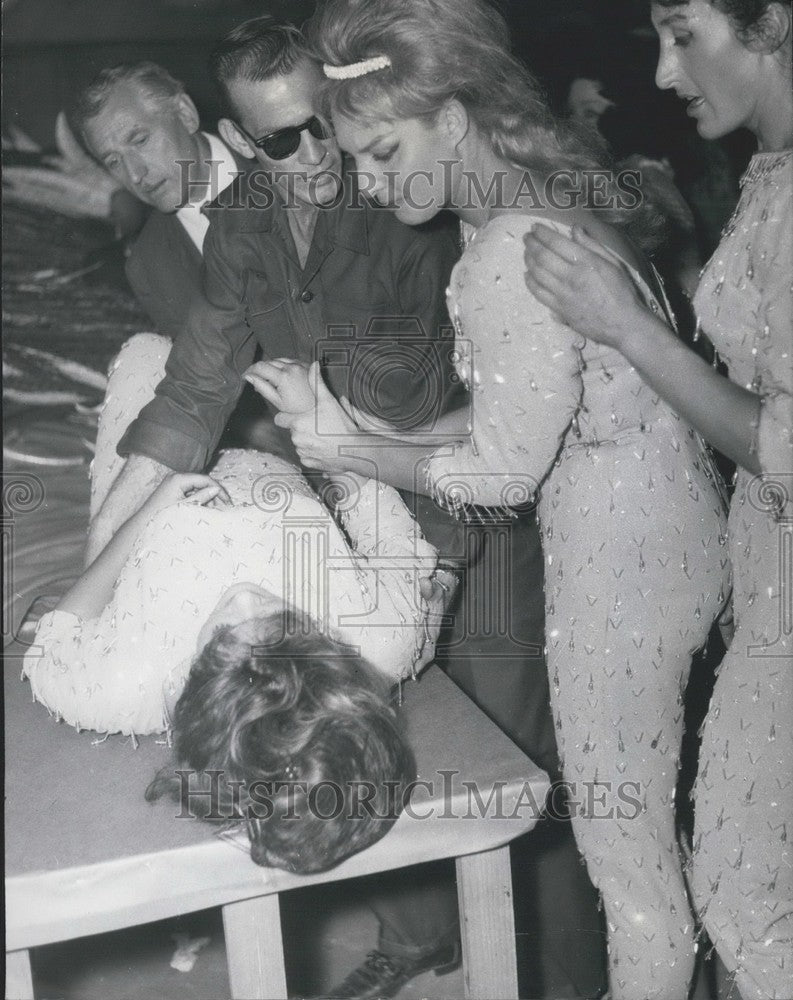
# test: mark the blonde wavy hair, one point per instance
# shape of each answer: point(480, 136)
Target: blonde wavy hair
point(443, 49)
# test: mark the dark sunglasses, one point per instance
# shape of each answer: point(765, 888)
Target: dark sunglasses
point(286, 141)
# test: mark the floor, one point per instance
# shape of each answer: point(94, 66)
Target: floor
point(328, 936)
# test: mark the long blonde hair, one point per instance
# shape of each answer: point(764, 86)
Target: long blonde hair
point(443, 49)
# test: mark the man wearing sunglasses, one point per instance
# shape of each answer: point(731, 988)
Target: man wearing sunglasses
point(286, 259)
point(285, 142)
point(142, 126)
point(280, 268)
point(298, 266)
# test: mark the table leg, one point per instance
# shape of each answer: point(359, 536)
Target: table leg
point(19, 978)
point(254, 949)
point(487, 924)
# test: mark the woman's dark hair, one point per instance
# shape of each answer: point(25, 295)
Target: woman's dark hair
point(748, 17)
point(292, 733)
point(443, 49)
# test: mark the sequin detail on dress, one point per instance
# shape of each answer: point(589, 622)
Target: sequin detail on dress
point(633, 533)
point(742, 866)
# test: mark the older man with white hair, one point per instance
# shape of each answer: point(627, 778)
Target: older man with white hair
point(142, 126)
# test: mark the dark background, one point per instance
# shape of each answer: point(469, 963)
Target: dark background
point(53, 47)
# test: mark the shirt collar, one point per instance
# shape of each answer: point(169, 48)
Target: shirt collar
point(344, 224)
point(224, 171)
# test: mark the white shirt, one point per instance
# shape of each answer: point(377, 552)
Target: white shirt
point(224, 170)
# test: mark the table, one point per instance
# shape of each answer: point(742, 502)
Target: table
point(86, 854)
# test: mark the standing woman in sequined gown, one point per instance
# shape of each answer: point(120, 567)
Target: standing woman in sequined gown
point(427, 98)
point(731, 60)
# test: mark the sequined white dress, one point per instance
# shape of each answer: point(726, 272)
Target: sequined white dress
point(110, 674)
point(743, 863)
point(635, 571)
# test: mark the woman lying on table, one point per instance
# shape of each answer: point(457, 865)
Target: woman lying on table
point(300, 633)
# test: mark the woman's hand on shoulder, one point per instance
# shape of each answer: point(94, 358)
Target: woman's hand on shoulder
point(193, 487)
point(592, 295)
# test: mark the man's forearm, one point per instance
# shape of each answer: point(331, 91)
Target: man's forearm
point(136, 482)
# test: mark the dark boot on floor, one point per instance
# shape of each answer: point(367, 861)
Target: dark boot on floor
point(382, 975)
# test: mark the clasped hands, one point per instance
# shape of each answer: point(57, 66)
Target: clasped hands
point(319, 425)
point(305, 405)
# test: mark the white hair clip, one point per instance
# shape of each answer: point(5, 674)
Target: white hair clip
point(356, 69)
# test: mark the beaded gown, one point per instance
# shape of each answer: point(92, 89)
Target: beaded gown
point(112, 673)
point(742, 868)
point(636, 569)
